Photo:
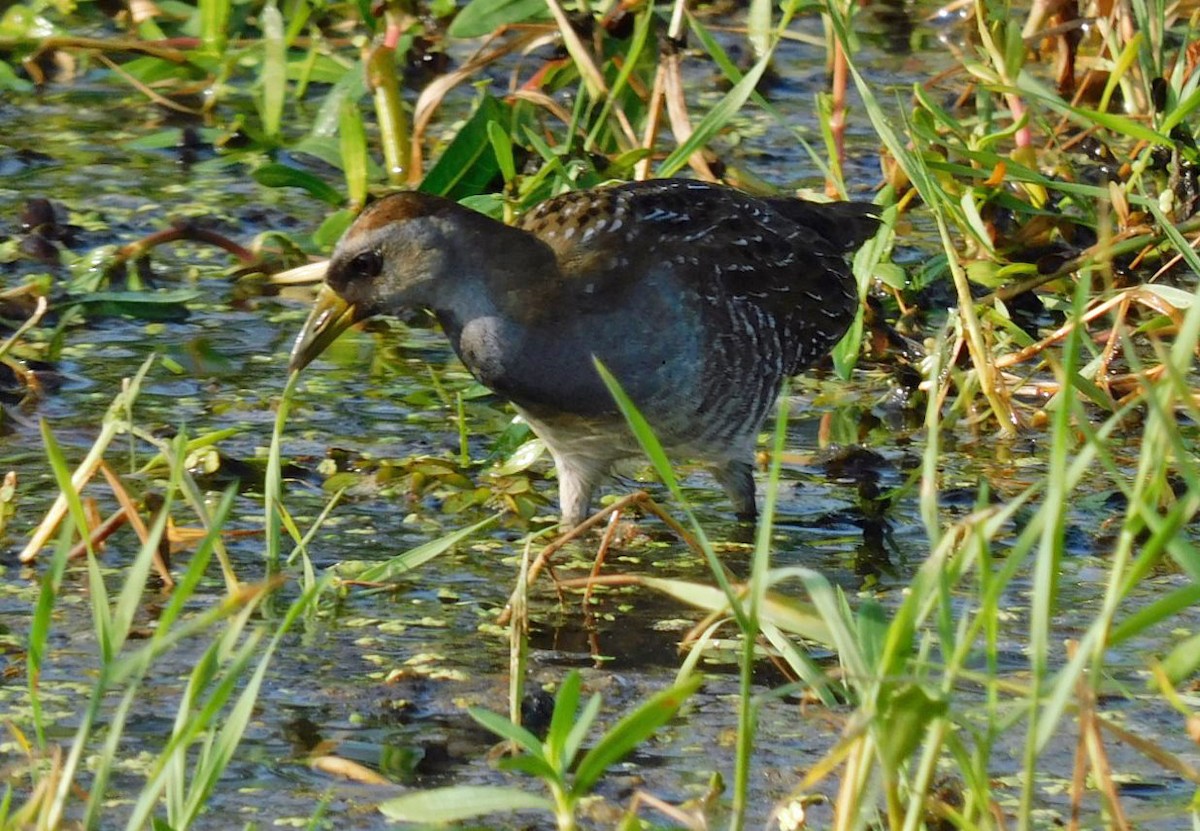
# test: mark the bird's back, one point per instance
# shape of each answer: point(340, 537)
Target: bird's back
point(750, 267)
point(699, 298)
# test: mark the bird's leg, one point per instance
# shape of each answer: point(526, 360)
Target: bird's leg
point(576, 482)
point(737, 478)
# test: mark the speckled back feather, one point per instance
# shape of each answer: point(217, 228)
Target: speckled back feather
point(783, 256)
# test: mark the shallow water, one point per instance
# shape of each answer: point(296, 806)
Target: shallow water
point(383, 678)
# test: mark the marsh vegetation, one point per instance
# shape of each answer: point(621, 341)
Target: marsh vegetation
point(231, 597)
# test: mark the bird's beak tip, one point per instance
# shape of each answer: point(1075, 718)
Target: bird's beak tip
point(329, 317)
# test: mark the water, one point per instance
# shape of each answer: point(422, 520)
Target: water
point(383, 677)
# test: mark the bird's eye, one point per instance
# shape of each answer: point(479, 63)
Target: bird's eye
point(367, 264)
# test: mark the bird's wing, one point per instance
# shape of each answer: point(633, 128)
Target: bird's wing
point(725, 243)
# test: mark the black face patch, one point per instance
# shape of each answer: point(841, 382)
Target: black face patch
point(365, 265)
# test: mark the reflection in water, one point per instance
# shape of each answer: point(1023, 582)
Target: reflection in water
point(895, 18)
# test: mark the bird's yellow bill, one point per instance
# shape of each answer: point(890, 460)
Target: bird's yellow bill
point(330, 316)
point(304, 275)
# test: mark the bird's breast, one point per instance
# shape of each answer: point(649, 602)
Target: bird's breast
point(551, 367)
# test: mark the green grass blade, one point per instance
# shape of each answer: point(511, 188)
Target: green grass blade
point(800, 662)
point(1087, 118)
point(580, 729)
point(352, 142)
point(658, 458)
point(273, 477)
point(566, 704)
point(715, 119)
point(234, 724)
point(838, 628)
point(273, 79)
point(416, 557)
point(101, 615)
point(40, 626)
point(503, 149)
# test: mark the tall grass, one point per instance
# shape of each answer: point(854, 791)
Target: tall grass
point(222, 637)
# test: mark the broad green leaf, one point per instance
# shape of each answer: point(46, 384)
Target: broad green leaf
point(281, 176)
point(505, 729)
point(631, 731)
point(523, 457)
point(159, 305)
point(904, 717)
point(482, 17)
point(331, 230)
point(469, 164)
point(443, 805)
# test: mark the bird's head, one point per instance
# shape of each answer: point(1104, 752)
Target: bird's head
point(395, 257)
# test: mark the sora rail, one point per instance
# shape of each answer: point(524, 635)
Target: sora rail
point(698, 298)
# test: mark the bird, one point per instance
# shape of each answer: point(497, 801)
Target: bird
point(698, 298)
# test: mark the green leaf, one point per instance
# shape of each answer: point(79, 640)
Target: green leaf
point(715, 119)
point(1177, 297)
point(523, 457)
point(1152, 614)
point(274, 71)
point(481, 17)
point(281, 176)
point(579, 731)
point(845, 354)
point(443, 805)
point(787, 613)
point(631, 731)
point(1090, 119)
point(469, 164)
point(502, 147)
point(352, 137)
point(505, 729)
point(11, 81)
point(904, 718)
point(422, 554)
point(565, 705)
point(871, 623)
point(331, 230)
point(1183, 661)
point(163, 305)
point(535, 766)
